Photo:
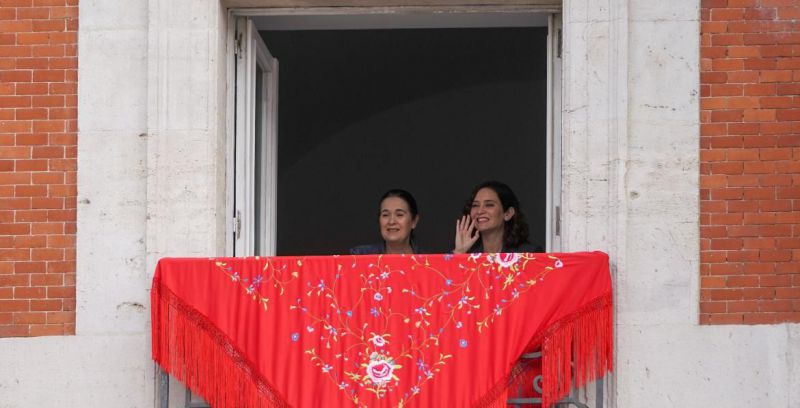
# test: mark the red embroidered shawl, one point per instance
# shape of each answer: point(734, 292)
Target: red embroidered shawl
point(380, 330)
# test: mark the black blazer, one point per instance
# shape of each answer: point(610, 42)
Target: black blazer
point(377, 249)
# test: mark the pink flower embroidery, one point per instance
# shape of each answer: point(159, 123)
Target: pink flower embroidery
point(380, 369)
point(378, 340)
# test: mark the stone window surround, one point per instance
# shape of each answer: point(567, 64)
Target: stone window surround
point(608, 173)
point(187, 118)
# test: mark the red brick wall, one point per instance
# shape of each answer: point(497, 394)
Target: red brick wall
point(749, 186)
point(750, 161)
point(38, 150)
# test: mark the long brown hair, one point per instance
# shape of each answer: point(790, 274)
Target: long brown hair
point(515, 230)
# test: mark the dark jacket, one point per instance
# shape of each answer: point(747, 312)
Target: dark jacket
point(377, 249)
point(526, 247)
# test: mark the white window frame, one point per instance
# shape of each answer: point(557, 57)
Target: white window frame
point(269, 152)
point(554, 125)
point(554, 86)
point(249, 50)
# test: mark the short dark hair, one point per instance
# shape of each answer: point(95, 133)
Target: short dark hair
point(410, 201)
point(515, 230)
point(405, 196)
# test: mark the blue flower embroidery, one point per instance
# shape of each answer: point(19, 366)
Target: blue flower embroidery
point(377, 282)
point(421, 364)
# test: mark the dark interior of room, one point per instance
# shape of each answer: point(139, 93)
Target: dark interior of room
point(432, 111)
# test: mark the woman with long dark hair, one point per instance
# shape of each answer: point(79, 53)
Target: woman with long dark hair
point(398, 217)
point(492, 221)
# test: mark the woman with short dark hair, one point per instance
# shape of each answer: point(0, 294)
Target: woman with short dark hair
point(492, 221)
point(398, 217)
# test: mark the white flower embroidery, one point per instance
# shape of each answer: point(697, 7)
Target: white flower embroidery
point(378, 340)
point(506, 259)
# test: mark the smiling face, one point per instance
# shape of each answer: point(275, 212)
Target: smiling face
point(396, 220)
point(487, 211)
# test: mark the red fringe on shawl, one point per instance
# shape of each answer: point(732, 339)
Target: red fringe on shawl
point(195, 352)
point(580, 344)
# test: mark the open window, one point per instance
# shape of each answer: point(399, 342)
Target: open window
point(329, 172)
point(253, 171)
point(255, 143)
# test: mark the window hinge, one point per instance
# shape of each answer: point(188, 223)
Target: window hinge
point(237, 44)
point(237, 225)
point(238, 37)
point(558, 43)
point(558, 220)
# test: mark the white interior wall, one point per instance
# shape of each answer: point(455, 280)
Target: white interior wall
point(151, 183)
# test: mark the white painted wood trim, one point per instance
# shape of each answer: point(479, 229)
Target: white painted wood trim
point(230, 136)
point(553, 183)
point(253, 53)
point(433, 9)
point(243, 151)
point(269, 197)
